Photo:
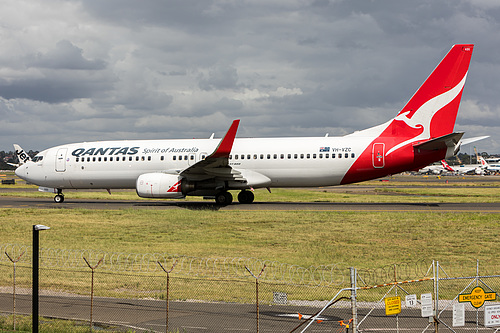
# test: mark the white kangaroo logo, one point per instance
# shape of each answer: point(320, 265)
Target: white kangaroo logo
point(422, 118)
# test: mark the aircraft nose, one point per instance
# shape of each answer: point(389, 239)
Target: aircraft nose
point(21, 171)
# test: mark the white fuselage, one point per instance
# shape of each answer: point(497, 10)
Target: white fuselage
point(286, 162)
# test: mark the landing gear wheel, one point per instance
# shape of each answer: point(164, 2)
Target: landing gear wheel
point(223, 198)
point(245, 197)
point(59, 198)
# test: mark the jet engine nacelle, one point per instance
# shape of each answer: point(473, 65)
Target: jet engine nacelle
point(159, 185)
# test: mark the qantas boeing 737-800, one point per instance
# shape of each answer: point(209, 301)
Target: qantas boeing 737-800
point(420, 134)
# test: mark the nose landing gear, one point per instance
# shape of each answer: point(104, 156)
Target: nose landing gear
point(59, 198)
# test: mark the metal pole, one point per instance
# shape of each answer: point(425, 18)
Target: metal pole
point(354, 306)
point(168, 290)
point(256, 292)
point(435, 265)
point(92, 291)
point(14, 288)
point(34, 297)
point(35, 267)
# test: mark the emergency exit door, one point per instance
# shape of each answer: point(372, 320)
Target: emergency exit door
point(378, 153)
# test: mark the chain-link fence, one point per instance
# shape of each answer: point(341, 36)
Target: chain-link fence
point(170, 293)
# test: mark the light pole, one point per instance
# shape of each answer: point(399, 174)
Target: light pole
point(34, 300)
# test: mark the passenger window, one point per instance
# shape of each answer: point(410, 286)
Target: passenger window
point(105, 159)
point(162, 158)
point(346, 155)
point(340, 155)
point(314, 155)
point(301, 155)
point(320, 155)
point(353, 155)
point(268, 156)
point(308, 155)
point(327, 155)
point(289, 156)
point(185, 158)
point(295, 156)
point(282, 156)
point(242, 157)
point(192, 157)
point(174, 157)
point(137, 158)
point(248, 157)
point(275, 156)
point(261, 156)
point(235, 157)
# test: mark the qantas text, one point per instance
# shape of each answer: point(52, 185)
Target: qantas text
point(106, 151)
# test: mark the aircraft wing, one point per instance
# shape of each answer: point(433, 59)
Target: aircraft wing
point(216, 165)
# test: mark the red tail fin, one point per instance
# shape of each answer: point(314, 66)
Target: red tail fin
point(446, 166)
point(397, 145)
point(432, 110)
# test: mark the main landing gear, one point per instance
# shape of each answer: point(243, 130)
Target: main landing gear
point(225, 198)
point(59, 198)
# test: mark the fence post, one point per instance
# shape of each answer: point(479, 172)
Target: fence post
point(14, 261)
point(436, 295)
point(256, 292)
point(168, 289)
point(92, 290)
point(354, 305)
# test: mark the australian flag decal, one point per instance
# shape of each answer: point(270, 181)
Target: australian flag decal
point(324, 149)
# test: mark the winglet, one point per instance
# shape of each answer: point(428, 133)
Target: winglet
point(21, 155)
point(226, 144)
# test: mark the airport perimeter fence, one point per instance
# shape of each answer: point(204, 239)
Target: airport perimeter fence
point(171, 293)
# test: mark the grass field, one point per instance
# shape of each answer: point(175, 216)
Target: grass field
point(360, 239)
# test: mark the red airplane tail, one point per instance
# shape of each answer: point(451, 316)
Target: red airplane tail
point(422, 132)
point(432, 111)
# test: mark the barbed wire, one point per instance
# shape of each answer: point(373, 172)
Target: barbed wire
point(230, 267)
point(324, 275)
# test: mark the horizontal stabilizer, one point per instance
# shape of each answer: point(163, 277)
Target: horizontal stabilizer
point(471, 140)
point(443, 142)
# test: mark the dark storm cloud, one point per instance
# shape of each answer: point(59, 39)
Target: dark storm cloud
point(49, 90)
point(65, 56)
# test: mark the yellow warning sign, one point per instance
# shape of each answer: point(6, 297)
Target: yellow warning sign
point(477, 297)
point(392, 305)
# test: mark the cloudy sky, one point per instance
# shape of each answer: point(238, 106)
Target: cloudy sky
point(90, 70)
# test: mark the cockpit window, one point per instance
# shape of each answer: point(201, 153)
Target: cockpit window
point(37, 158)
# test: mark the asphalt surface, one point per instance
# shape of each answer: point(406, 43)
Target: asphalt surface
point(150, 315)
point(17, 202)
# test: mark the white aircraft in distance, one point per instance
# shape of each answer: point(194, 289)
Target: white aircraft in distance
point(420, 134)
point(492, 168)
point(436, 169)
point(468, 169)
